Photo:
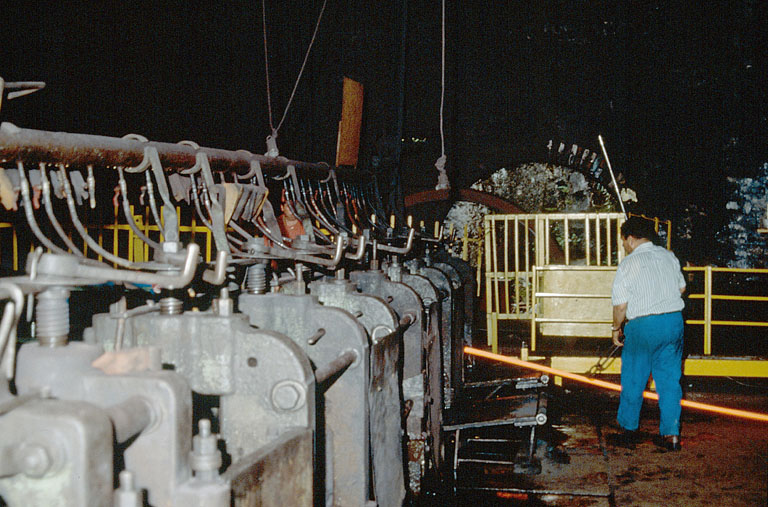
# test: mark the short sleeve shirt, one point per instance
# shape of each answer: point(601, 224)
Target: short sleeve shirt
point(649, 281)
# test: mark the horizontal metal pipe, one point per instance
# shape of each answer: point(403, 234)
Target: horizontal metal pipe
point(130, 417)
point(342, 361)
point(33, 146)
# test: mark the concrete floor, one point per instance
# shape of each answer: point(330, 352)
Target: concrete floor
point(723, 461)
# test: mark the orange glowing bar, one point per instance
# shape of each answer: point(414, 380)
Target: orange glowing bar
point(746, 414)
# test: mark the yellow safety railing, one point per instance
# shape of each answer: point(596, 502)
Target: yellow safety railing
point(555, 271)
point(572, 301)
point(120, 239)
point(517, 244)
point(14, 245)
point(707, 317)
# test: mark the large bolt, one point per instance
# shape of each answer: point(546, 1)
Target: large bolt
point(288, 395)
point(34, 460)
point(171, 306)
point(205, 457)
point(127, 495)
point(52, 323)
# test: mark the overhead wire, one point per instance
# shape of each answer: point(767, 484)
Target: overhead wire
point(442, 83)
point(272, 127)
point(442, 178)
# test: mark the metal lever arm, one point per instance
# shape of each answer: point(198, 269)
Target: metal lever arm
point(10, 320)
point(402, 250)
point(46, 184)
point(30, 214)
point(55, 265)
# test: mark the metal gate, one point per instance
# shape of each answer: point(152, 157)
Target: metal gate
point(519, 248)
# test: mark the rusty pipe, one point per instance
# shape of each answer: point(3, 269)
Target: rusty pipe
point(32, 145)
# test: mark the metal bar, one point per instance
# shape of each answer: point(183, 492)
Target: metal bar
point(729, 297)
point(33, 145)
point(708, 311)
point(727, 270)
point(341, 362)
point(546, 239)
point(587, 245)
point(570, 295)
point(608, 260)
point(535, 286)
point(488, 267)
point(485, 462)
point(567, 241)
point(745, 323)
point(506, 264)
point(571, 321)
point(528, 293)
point(517, 265)
point(512, 421)
point(540, 492)
point(495, 267)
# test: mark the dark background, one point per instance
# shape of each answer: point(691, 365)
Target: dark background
point(677, 89)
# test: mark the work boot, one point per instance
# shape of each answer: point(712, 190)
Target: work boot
point(667, 442)
point(627, 439)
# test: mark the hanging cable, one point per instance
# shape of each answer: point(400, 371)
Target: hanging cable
point(266, 65)
point(442, 177)
point(272, 138)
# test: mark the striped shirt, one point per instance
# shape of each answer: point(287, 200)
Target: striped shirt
point(649, 281)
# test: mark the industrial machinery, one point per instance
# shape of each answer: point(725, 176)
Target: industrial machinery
point(304, 356)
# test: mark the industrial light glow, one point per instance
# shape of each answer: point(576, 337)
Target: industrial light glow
point(745, 414)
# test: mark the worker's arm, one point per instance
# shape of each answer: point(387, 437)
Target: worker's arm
point(619, 314)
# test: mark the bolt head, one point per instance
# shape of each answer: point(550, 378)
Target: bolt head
point(288, 395)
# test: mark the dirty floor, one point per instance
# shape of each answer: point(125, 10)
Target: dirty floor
point(723, 461)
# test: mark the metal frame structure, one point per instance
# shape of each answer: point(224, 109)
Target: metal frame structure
point(518, 253)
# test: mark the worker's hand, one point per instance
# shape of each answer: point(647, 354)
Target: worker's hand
point(618, 337)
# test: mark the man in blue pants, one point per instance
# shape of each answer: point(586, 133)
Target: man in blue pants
point(647, 294)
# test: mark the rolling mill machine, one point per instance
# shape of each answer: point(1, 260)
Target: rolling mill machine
point(247, 364)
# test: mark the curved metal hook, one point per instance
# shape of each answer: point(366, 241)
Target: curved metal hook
point(49, 211)
point(10, 320)
point(254, 169)
point(401, 250)
point(127, 212)
point(361, 244)
point(29, 213)
point(218, 275)
point(64, 180)
point(51, 264)
point(145, 161)
point(195, 168)
point(216, 210)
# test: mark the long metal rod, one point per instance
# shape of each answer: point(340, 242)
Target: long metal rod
point(746, 414)
point(37, 146)
point(613, 178)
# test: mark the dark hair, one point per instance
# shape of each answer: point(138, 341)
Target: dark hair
point(638, 227)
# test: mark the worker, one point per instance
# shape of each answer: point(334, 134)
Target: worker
point(648, 324)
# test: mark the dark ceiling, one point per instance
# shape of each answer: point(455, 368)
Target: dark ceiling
point(677, 89)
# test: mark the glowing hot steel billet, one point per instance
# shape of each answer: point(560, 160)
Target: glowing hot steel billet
point(745, 414)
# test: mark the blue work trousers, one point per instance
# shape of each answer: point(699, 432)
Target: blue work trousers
point(653, 345)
